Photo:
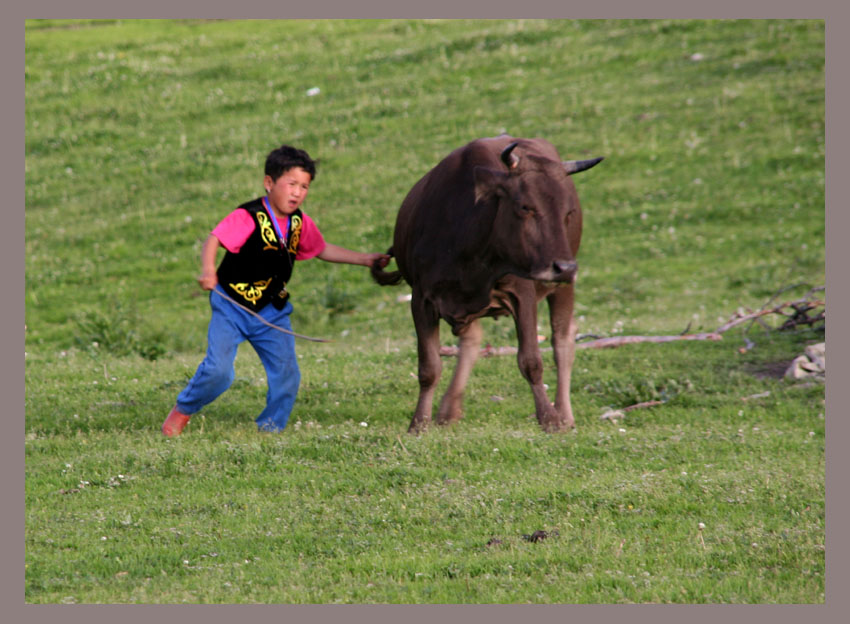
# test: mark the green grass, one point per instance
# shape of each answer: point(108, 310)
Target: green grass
point(141, 135)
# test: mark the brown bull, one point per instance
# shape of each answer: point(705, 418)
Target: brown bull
point(490, 231)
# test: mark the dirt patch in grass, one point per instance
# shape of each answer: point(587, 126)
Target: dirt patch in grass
point(769, 370)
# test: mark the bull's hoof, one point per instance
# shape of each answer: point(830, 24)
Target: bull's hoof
point(555, 424)
point(551, 421)
point(449, 417)
point(556, 427)
point(417, 428)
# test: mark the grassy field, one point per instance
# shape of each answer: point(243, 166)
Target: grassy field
point(141, 136)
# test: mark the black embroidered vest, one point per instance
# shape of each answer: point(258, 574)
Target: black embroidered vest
point(257, 275)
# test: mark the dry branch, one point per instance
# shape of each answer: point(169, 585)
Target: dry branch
point(801, 309)
point(799, 315)
point(617, 341)
point(600, 343)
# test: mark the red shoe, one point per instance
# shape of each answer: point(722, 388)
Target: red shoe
point(175, 422)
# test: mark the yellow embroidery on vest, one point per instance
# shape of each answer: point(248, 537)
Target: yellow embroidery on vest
point(267, 231)
point(295, 235)
point(252, 292)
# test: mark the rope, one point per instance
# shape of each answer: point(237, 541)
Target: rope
point(265, 322)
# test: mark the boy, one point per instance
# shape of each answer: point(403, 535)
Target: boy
point(262, 239)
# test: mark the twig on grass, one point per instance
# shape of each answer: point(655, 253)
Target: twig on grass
point(642, 405)
point(760, 395)
point(613, 415)
point(404, 448)
point(581, 337)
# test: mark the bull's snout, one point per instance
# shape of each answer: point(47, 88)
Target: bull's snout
point(564, 270)
point(559, 272)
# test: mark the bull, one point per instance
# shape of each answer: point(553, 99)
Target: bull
point(491, 230)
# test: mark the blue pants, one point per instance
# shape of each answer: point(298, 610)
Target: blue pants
point(229, 326)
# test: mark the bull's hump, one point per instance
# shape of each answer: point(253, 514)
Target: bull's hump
point(528, 146)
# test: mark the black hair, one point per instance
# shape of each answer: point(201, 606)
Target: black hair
point(285, 157)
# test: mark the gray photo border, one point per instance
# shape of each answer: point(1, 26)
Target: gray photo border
point(837, 216)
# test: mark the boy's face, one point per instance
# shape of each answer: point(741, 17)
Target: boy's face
point(289, 191)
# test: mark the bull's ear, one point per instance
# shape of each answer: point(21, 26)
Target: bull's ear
point(488, 182)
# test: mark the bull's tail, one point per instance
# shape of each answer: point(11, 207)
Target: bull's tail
point(385, 278)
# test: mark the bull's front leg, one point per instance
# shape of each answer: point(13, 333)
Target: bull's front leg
point(529, 360)
point(451, 407)
point(427, 326)
point(564, 346)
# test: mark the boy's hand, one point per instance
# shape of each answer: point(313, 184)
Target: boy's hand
point(208, 278)
point(381, 259)
point(208, 281)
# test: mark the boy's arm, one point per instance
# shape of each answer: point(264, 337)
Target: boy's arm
point(208, 278)
point(335, 253)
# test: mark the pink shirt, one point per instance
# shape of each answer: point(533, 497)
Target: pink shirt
point(236, 227)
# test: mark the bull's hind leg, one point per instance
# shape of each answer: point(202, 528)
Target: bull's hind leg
point(427, 327)
point(564, 347)
point(451, 405)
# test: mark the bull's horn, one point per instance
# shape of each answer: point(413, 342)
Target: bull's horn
point(511, 160)
point(574, 166)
